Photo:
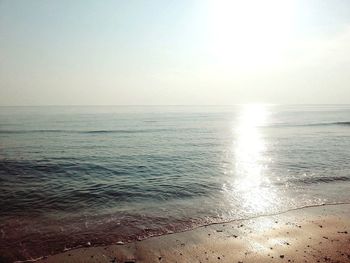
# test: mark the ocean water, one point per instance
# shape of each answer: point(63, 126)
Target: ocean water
point(73, 175)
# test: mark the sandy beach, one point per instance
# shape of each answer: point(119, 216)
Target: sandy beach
point(313, 234)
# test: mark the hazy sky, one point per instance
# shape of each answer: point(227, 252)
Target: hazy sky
point(174, 52)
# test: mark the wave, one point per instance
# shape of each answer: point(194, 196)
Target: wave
point(342, 123)
point(82, 132)
point(47, 185)
point(131, 131)
point(319, 124)
point(29, 131)
point(317, 180)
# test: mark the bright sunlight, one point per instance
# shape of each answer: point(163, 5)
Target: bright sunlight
point(246, 33)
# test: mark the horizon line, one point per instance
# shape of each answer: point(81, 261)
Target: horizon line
point(173, 105)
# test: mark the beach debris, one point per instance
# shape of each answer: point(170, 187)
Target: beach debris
point(120, 243)
point(342, 232)
point(88, 243)
point(281, 256)
point(218, 230)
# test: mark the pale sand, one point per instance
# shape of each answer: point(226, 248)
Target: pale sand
point(316, 234)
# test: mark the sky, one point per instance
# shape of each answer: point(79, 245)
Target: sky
point(174, 52)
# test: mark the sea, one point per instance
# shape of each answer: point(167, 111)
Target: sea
point(75, 176)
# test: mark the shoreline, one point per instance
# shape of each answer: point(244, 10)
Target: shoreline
point(246, 240)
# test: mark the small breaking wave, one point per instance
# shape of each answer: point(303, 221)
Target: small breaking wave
point(318, 180)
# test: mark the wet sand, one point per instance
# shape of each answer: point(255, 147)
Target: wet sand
point(314, 234)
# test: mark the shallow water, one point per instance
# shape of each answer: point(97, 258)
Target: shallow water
point(72, 175)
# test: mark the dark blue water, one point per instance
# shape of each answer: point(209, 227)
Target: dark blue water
point(72, 175)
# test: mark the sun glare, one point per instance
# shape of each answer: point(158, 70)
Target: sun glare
point(250, 146)
point(249, 179)
point(248, 33)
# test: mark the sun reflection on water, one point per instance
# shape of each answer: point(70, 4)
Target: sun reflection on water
point(250, 184)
